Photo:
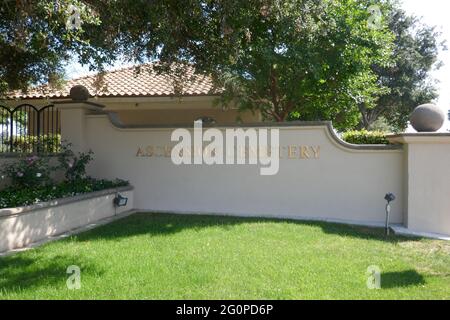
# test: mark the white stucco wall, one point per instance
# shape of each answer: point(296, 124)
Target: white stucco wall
point(427, 182)
point(342, 185)
point(20, 227)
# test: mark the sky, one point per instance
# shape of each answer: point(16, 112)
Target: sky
point(432, 12)
point(436, 13)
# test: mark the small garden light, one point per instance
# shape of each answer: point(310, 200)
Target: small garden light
point(120, 201)
point(389, 197)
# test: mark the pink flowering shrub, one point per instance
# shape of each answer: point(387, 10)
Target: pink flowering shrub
point(74, 165)
point(29, 179)
point(31, 171)
point(35, 171)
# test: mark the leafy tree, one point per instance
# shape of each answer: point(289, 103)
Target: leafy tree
point(307, 61)
point(309, 57)
point(35, 41)
point(304, 59)
point(290, 59)
point(416, 50)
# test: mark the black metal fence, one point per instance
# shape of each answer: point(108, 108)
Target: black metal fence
point(28, 129)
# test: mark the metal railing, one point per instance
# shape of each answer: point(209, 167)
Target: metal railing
point(28, 129)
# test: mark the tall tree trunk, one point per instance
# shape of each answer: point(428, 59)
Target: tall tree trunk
point(365, 119)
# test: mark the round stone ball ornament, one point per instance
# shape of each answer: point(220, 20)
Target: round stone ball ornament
point(427, 118)
point(79, 93)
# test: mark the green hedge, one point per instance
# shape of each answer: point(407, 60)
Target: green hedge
point(17, 197)
point(365, 137)
point(29, 144)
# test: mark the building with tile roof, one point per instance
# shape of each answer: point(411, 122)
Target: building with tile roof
point(141, 96)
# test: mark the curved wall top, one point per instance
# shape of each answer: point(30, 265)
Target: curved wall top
point(326, 125)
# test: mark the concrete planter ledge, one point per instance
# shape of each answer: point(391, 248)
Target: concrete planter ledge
point(61, 201)
point(24, 226)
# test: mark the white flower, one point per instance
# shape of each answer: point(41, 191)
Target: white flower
point(38, 175)
point(70, 163)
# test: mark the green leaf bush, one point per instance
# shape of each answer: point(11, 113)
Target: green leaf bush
point(29, 144)
point(365, 137)
point(74, 165)
point(17, 197)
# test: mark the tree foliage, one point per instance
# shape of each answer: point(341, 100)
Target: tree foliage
point(309, 58)
point(288, 59)
point(416, 50)
point(35, 41)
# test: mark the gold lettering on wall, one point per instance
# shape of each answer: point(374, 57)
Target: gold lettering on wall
point(316, 151)
point(139, 153)
point(290, 152)
point(150, 151)
point(304, 153)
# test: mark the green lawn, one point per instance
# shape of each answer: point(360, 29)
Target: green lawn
point(160, 256)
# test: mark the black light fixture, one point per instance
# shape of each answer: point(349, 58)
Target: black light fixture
point(120, 201)
point(206, 120)
point(389, 197)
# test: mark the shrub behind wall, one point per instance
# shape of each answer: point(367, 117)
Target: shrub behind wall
point(365, 137)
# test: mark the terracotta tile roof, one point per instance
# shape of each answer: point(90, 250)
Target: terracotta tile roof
point(126, 82)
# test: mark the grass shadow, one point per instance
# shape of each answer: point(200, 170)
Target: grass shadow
point(158, 224)
point(401, 279)
point(41, 269)
point(20, 272)
point(364, 232)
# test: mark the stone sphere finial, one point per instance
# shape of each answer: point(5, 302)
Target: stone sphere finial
point(79, 93)
point(427, 118)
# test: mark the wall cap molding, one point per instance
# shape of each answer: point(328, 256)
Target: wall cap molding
point(327, 125)
point(423, 137)
point(71, 104)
